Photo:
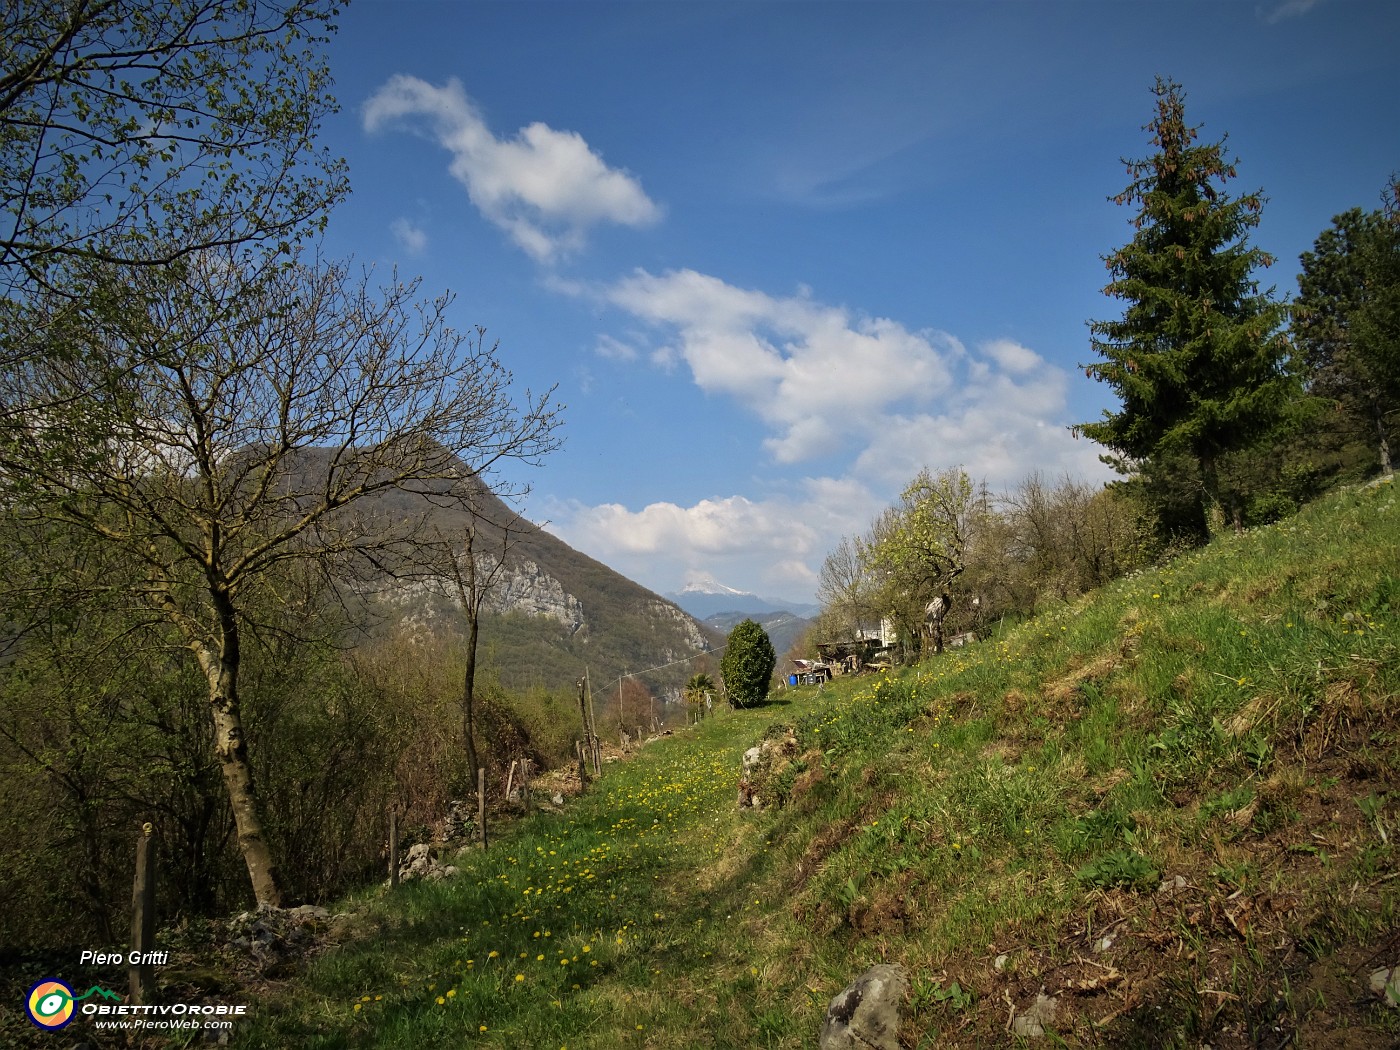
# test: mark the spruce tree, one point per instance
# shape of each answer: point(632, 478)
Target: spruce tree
point(1197, 359)
point(1342, 291)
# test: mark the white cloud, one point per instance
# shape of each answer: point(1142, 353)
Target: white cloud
point(1004, 420)
point(413, 238)
point(886, 400)
point(772, 546)
point(829, 381)
point(1288, 9)
point(545, 188)
point(727, 526)
point(767, 546)
point(613, 349)
point(817, 374)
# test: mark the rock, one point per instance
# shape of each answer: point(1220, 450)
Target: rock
point(1385, 985)
point(1031, 1024)
point(1171, 887)
point(760, 764)
point(557, 799)
point(416, 862)
point(460, 822)
point(529, 589)
point(421, 864)
point(269, 935)
point(868, 1014)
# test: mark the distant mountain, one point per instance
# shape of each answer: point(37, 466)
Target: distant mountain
point(704, 597)
point(783, 627)
point(554, 612)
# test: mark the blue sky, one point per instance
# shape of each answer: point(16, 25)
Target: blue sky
point(778, 256)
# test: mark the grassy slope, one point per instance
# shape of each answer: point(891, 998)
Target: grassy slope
point(998, 820)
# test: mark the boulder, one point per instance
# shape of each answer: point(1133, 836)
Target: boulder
point(268, 936)
point(1031, 1023)
point(868, 1014)
point(421, 864)
point(760, 764)
point(1385, 985)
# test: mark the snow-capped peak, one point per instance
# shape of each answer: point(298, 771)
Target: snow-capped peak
point(699, 582)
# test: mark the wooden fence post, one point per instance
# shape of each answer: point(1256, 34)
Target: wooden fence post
point(393, 847)
point(143, 917)
point(594, 746)
point(481, 803)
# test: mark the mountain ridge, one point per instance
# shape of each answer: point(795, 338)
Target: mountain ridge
point(704, 596)
point(555, 612)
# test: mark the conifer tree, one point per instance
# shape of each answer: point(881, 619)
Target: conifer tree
point(1197, 359)
point(747, 664)
point(1342, 291)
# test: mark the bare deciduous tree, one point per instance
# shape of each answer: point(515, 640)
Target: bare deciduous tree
point(471, 564)
point(845, 591)
point(250, 420)
point(144, 130)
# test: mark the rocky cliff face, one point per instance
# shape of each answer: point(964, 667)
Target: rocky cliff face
point(692, 639)
point(526, 588)
point(522, 587)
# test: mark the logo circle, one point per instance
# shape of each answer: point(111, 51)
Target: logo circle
point(50, 1004)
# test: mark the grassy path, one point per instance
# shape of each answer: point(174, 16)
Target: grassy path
point(606, 926)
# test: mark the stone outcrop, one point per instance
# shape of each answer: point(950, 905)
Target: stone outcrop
point(760, 766)
point(267, 937)
point(523, 587)
point(420, 863)
point(693, 640)
point(527, 588)
point(868, 1014)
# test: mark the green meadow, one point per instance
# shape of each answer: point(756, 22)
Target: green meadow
point(1171, 806)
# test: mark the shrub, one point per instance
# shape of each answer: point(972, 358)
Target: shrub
point(747, 666)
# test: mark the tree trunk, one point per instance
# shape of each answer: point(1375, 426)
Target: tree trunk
point(1211, 511)
point(469, 690)
point(231, 750)
point(1382, 439)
